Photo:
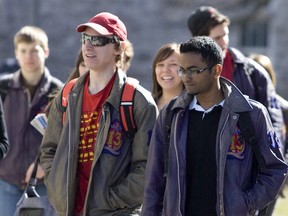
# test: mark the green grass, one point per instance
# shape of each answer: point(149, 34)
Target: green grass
point(281, 208)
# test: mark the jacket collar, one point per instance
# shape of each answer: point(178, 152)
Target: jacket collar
point(45, 80)
point(238, 57)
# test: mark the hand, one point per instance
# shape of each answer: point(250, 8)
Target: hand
point(39, 174)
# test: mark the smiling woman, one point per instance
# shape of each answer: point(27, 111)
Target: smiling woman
point(166, 82)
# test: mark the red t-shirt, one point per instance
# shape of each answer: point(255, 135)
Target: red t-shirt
point(91, 113)
point(228, 67)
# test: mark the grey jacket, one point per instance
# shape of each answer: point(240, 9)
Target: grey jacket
point(241, 190)
point(117, 181)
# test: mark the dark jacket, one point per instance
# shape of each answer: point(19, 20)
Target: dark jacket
point(4, 144)
point(116, 183)
point(241, 189)
point(253, 80)
point(19, 110)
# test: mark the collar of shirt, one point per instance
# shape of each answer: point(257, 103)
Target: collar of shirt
point(195, 105)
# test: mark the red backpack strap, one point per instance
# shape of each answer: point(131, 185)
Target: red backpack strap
point(65, 94)
point(126, 106)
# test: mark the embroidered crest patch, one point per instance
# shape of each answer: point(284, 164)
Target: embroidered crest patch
point(114, 139)
point(237, 146)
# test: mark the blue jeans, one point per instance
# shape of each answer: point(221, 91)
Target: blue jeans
point(10, 195)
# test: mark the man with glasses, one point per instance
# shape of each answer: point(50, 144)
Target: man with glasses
point(91, 166)
point(251, 78)
point(210, 168)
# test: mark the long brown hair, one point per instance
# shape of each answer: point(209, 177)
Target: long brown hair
point(163, 53)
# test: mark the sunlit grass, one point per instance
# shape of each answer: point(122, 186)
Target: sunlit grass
point(281, 208)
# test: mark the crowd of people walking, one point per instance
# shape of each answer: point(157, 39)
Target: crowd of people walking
point(211, 130)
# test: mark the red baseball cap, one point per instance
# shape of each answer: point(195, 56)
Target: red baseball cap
point(105, 24)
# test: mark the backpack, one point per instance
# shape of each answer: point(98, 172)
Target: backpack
point(246, 127)
point(125, 107)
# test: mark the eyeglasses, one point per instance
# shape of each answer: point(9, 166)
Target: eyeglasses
point(191, 71)
point(96, 40)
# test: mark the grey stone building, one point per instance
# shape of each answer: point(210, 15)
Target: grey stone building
point(257, 26)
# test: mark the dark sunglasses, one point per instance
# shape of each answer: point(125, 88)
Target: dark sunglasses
point(96, 40)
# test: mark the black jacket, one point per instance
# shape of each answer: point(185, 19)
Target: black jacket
point(4, 144)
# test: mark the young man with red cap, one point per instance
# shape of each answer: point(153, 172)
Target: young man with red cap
point(91, 166)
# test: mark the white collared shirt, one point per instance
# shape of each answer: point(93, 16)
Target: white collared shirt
point(198, 107)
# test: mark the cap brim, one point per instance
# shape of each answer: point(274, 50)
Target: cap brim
point(100, 29)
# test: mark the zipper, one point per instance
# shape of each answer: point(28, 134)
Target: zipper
point(221, 199)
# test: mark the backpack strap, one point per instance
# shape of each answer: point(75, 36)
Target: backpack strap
point(65, 94)
point(248, 131)
point(126, 106)
point(167, 131)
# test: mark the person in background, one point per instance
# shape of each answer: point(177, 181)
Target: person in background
point(4, 144)
point(10, 65)
point(80, 67)
point(25, 93)
point(77, 71)
point(251, 78)
point(128, 56)
point(266, 62)
point(211, 168)
point(92, 167)
point(166, 82)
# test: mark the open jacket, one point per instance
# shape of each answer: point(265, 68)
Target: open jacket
point(19, 110)
point(253, 80)
point(116, 182)
point(241, 189)
point(4, 144)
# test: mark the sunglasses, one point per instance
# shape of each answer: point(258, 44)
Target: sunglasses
point(96, 40)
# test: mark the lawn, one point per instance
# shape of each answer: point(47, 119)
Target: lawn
point(281, 208)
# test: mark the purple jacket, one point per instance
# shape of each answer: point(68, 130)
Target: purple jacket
point(241, 189)
point(253, 80)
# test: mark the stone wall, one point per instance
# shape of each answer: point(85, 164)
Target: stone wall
point(150, 24)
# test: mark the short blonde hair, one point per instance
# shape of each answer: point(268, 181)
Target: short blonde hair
point(31, 34)
point(265, 62)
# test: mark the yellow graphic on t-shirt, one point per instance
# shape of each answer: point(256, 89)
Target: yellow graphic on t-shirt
point(88, 130)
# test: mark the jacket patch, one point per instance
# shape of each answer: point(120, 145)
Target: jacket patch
point(237, 146)
point(274, 140)
point(274, 103)
point(114, 139)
